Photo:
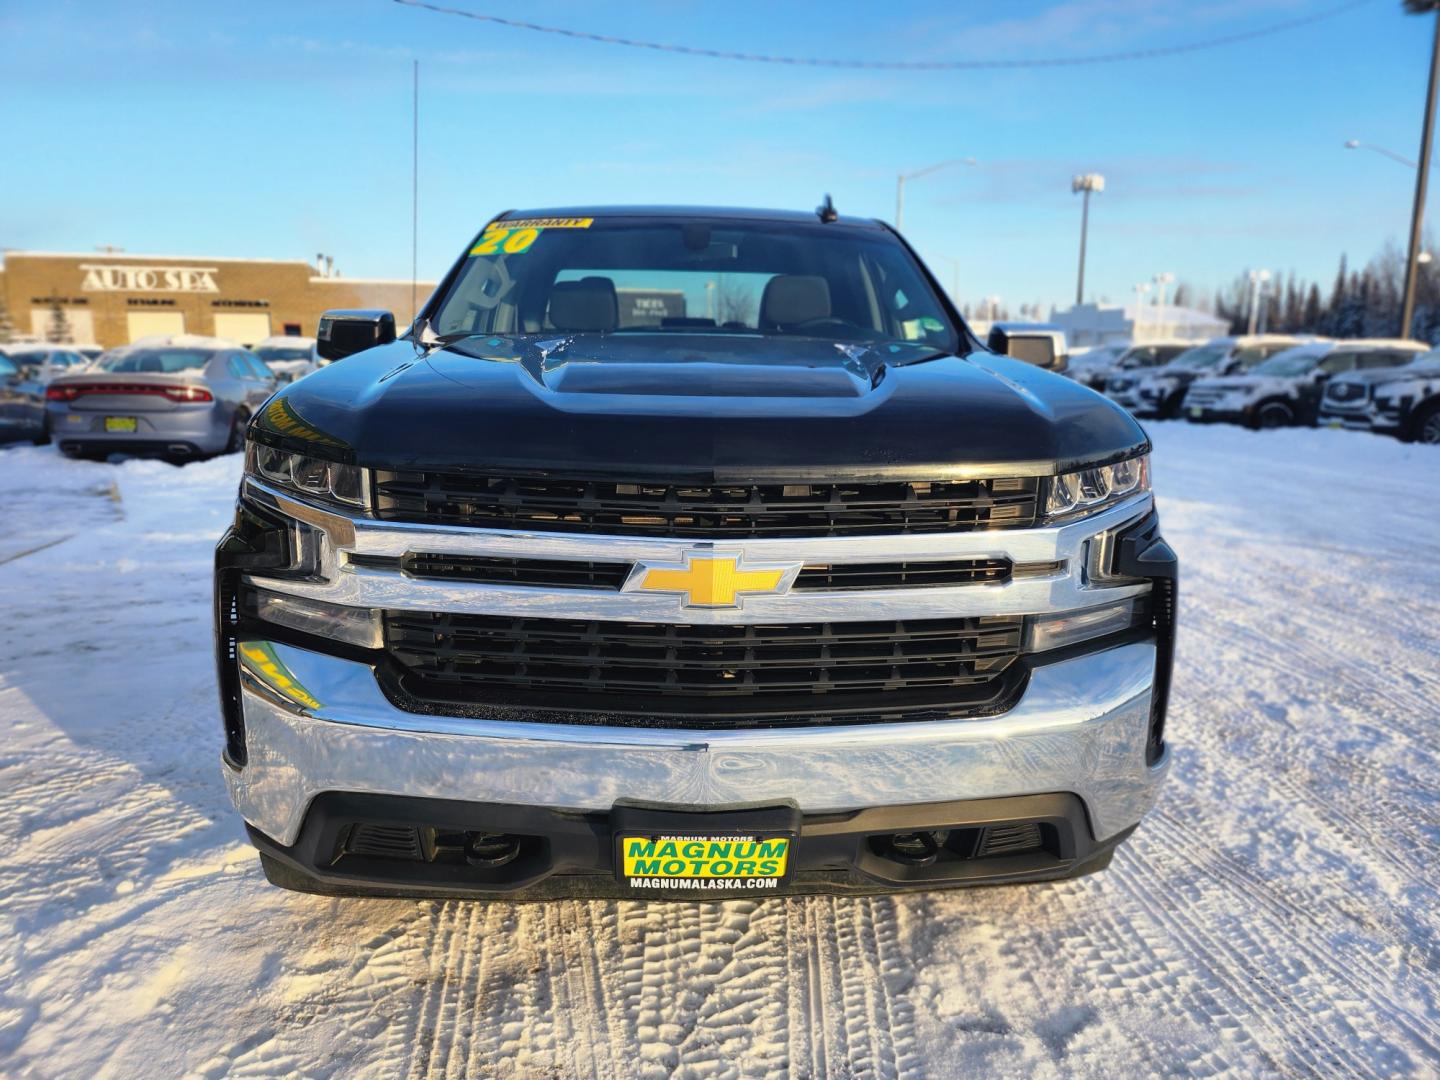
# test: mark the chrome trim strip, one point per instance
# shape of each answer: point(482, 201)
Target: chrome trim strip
point(1081, 726)
point(377, 588)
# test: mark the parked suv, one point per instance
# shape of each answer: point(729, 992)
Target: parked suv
point(289, 358)
point(178, 396)
point(1124, 381)
point(1286, 389)
point(1161, 392)
point(782, 584)
point(1403, 401)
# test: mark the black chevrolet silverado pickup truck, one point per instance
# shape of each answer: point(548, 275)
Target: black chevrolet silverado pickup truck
point(680, 552)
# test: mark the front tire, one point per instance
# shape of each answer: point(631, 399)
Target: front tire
point(236, 443)
point(1425, 428)
point(1273, 414)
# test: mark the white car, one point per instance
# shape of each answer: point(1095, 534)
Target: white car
point(1093, 366)
point(290, 358)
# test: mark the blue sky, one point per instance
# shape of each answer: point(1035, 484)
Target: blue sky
point(281, 130)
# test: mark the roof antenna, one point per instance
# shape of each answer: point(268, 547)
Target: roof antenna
point(826, 210)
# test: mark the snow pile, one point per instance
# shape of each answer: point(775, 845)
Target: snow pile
point(1277, 914)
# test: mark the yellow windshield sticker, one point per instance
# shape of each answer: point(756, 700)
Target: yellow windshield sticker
point(548, 223)
point(515, 237)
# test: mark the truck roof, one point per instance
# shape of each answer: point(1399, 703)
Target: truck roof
point(732, 213)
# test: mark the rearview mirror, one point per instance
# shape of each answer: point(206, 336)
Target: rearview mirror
point(345, 333)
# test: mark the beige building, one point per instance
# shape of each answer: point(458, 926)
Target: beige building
point(112, 299)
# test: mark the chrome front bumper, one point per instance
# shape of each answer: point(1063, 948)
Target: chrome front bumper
point(1081, 727)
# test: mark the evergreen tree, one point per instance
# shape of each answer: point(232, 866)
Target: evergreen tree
point(58, 331)
point(1310, 319)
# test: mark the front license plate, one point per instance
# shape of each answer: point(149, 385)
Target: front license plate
point(712, 863)
point(124, 424)
point(1196, 411)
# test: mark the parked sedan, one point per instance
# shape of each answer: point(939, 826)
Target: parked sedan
point(25, 371)
point(1094, 366)
point(176, 398)
point(1286, 389)
point(1134, 362)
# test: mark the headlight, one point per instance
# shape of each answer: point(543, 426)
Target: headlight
point(312, 477)
point(1088, 491)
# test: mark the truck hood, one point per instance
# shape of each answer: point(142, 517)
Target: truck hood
point(705, 407)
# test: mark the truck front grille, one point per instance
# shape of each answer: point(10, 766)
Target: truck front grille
point(1205, 396)
point(760, 672)
point(705, 510)
point(1347, 392)
point(610, 576)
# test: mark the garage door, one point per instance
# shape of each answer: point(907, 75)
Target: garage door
point(78, 321)
point(245, 327)
point(145, 323)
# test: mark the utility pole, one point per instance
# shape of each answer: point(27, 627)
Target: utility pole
point(1084, 184)
point(1422, 176)
point(415, 192)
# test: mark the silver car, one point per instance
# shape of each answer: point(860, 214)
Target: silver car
point(25, 371)
point(177, 398)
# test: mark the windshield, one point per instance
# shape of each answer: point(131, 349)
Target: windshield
point(159, 360)
point(29, 359)
point(1289, 362)
point(693, 276)
point(1200, 357)
point(282, 354)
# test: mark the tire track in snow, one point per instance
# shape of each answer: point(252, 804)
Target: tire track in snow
point(1306, 924)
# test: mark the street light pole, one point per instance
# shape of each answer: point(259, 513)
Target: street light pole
point(902, 177)
point(1422, 176)
point(1257, 281)
point(1163, 280)
point(1140, 290)
point(1084, 184)
point(1356, 144)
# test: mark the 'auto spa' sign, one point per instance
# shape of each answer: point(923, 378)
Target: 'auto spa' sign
point(187, 279)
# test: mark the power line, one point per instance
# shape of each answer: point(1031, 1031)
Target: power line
point(899, 65)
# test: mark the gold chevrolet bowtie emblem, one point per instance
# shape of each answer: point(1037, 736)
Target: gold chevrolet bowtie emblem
point(711, 579)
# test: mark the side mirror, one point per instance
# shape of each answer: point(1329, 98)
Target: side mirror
point(345, 333)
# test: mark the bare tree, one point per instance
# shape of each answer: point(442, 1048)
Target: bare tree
point(733, 302)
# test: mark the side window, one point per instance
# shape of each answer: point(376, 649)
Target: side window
point(1338, 362)
point(1381, 358)
point(262, 373)
point(238, 367)
point(7, 368)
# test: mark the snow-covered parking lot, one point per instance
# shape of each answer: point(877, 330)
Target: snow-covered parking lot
point(1277, 914)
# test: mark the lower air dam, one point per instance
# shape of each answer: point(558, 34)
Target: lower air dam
point(716, 884)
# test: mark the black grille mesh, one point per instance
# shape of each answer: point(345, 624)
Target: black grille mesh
point(577, 574)
point(447, 658)
point(705, 510)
